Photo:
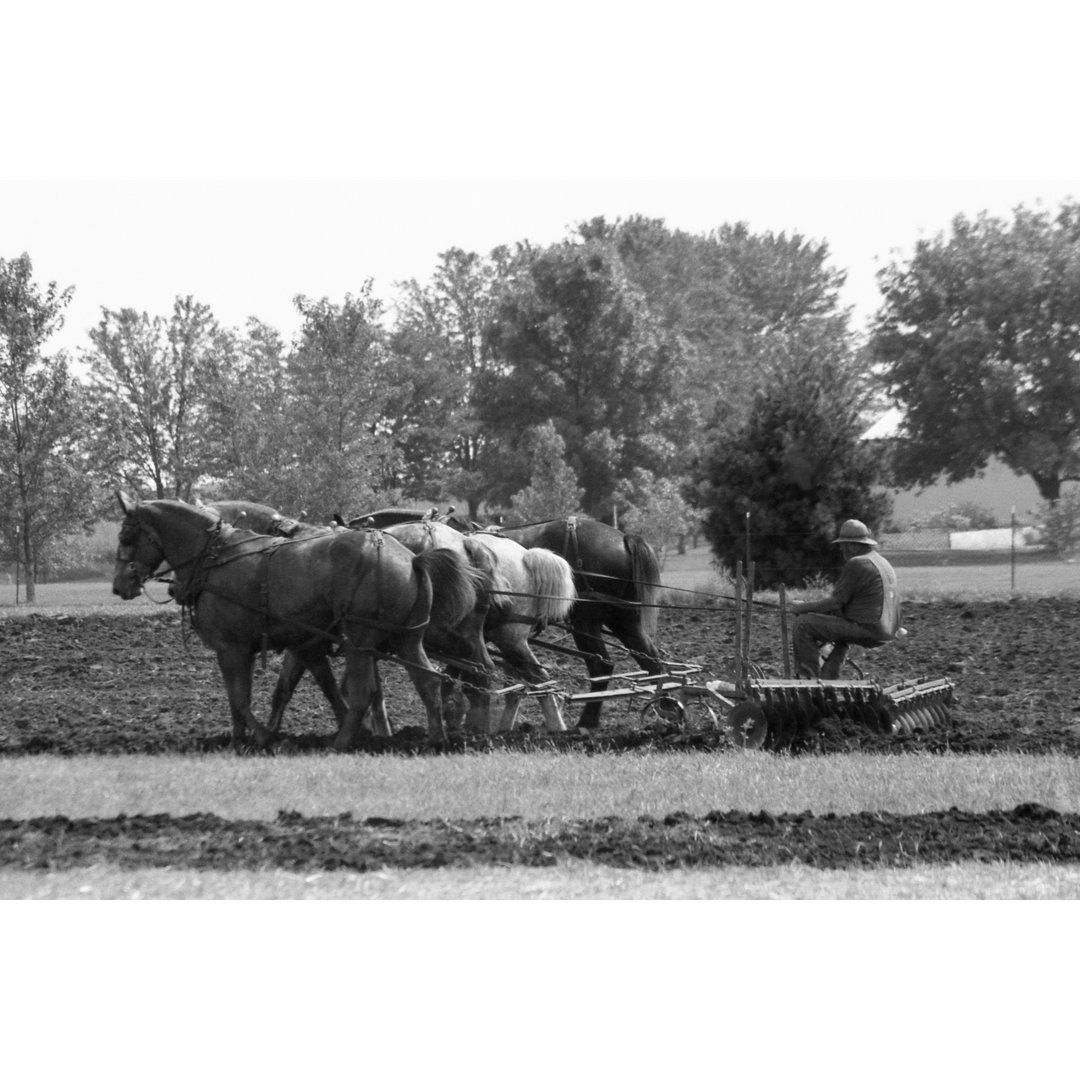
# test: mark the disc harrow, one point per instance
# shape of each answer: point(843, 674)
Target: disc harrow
point(778, 713)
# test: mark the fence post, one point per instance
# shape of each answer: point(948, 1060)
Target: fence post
point(1012, 549)
point(738, 623)
point(749, 612)
point(783, 630)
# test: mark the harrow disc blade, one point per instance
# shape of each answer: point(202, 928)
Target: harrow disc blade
point(748, 725)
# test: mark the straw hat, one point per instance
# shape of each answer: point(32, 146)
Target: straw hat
point(855, 532)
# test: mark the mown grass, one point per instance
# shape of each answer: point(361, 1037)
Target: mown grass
point(536, 786)
point(544, 787)
point(570, 881)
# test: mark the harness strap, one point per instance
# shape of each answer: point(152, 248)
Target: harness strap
point(264, 598)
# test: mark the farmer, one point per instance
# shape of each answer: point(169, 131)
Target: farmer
point(862, 609)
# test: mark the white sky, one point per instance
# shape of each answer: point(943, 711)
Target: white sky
point(245, 153)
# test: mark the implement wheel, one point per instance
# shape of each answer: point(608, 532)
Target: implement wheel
point(748, 725)
point(666, 709)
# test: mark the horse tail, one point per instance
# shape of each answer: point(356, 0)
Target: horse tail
point(645, 572)
point(453, 584)
point(552, 583)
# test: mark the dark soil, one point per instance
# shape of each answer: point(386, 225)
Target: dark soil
point(122, 684)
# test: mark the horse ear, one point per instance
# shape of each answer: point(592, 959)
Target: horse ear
point(126, 504)
point(339, 520)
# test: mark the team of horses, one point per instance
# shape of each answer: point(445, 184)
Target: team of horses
point(406, 586)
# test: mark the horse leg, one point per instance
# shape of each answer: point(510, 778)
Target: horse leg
point(376, 721)
point(511, 707)
point(360, 685)
point(640, 646)
point(475, 687)
point(428, 683)
point(588, 637)
point(236, 669)
point(523, 664)
point(553, 720)
point(293, 665)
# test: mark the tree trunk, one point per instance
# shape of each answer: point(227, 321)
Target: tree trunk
point(27, 567)
point(1049, 485)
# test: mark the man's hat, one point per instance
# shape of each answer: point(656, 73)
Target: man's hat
point(855, 532)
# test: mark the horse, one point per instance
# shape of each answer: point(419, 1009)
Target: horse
point(260, 518)
point(460, 642)
point(617, 577)
point(534, 587)
point(247, 591)
point(468, 659)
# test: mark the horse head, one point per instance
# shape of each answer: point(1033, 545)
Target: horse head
point(138, 553)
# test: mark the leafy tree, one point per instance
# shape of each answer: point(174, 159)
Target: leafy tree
point(579, 347)
point(717, 295)
point(979, 341)
point(248, 423)
point(655, 508)
point(553, 490)
point(149, 387)
point(440, 334)
point(339, 383)
point(795, 463)
point(44, 483)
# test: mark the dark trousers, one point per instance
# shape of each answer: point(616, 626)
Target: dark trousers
point(813, 630)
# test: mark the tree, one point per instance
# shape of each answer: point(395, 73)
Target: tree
point(149, 383)
point(440, 332)
point(249, 432)
point(578, 345)
point(339, 383)
point(44, 486)
point(655, 508)
point(978, 339)
point(553, 490)
point(795, 463)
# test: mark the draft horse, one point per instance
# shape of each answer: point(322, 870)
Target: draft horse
point(459, 642)
point(617, 576)
point(527, 589)
point(247, 591)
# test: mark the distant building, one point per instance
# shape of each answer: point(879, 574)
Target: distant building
point(999, 490)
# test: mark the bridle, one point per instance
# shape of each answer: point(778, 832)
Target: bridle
point(183, 592)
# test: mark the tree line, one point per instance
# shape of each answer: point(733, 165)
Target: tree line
point(646, 376)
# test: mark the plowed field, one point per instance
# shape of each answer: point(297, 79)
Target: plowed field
point(133, 683)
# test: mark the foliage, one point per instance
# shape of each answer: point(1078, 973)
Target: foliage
point(1060, 523)
point(440, 335)
point(44, 480)
point(578, 346)
point(957, 517)
point(655, 508)
point(979, 341)
point(339, 382)
point(248, 429)
point(795, 467)
point(553, 490)
point(149, 383)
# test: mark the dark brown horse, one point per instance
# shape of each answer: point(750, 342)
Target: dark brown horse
point(458, 643)
point(617, 576)
point(248, 591)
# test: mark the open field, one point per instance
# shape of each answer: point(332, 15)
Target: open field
point(116, 780)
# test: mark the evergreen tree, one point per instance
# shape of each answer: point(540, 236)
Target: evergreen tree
point(795, 463)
